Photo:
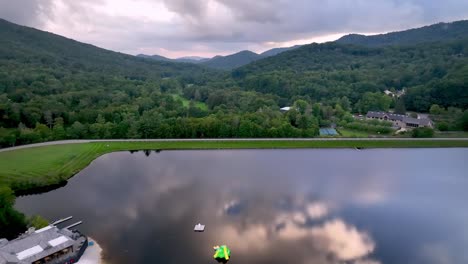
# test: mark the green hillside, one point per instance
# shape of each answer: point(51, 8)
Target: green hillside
point(28, 46)
point(54, 88)
point(433, 73)
point(433, 33)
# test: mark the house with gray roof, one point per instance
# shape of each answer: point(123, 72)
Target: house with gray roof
point(46, 245)
point(401, 121)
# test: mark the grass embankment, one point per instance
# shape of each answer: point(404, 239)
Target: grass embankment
point(353, 133)
point(42, 166)
point(451, 134)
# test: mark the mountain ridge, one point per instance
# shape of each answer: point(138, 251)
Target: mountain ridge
point(233, 61)
point(227, 62)
point(442, 31)
point(431, 33)
point(22, 45)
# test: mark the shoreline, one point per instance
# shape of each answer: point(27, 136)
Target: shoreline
point(92, 254)
point(46, 164)
point(318, 139)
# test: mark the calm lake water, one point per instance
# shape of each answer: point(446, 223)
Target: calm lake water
point(271, 206)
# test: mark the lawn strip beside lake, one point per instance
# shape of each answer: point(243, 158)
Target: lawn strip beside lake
point(23, 169)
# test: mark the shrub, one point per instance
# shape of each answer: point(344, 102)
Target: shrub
point(37, 222)
point(443, 126)
point(422, 132)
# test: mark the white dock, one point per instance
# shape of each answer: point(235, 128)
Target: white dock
point(199, 228)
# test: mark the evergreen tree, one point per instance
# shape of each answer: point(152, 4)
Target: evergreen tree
point(400, 106)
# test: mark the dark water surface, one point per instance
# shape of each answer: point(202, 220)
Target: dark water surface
point(271, 206)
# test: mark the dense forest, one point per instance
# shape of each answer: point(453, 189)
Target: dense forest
point(55, 88)
point(434, 73)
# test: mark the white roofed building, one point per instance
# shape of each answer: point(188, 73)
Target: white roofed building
point(46, 245)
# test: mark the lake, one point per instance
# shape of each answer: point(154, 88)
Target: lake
point(375, 206)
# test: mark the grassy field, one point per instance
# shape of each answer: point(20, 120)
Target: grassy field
point(352, 133)
point(186, 102)
point(41, 166)
point(451, 134)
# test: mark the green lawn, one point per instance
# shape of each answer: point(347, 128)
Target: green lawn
point(186, 102)
point(41, 166)
point(451, 134)
point(352, 133)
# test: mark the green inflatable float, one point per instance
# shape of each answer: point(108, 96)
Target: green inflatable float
point(222, 253)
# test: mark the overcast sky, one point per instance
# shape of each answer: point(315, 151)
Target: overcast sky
point(177, 28)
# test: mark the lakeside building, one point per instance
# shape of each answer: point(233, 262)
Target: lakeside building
point(49, 245)
point(401, 121)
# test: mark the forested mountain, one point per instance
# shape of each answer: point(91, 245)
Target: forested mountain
point(433, 33)
point(438, 32)
point(434, 73)
point(22, 47)
point(55, 88)
point(277, 51)
point(228, 62)
point(242, 58)
point(232, 61)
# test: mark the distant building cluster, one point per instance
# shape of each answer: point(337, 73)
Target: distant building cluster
point(401, 121)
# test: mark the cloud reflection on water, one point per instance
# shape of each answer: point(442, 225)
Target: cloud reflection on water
point(316, 241)
point(250, 221)
point(302, 209)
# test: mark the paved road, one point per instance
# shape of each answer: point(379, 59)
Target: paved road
point(62, 142)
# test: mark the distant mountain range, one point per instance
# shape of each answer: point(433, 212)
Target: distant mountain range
point(432, 33)
point(190, 59)
point(154, 57)
point(233, 61)
point(228, 62)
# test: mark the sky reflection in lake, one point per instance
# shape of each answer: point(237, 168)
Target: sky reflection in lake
point(271, 206)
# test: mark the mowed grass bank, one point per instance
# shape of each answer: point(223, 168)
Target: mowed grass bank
point(23, 169)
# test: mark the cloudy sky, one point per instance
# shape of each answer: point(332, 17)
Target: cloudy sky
point(177, 28)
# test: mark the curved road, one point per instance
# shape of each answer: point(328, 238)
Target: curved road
point(62, 142)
